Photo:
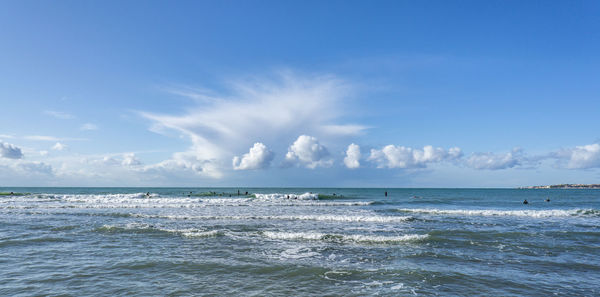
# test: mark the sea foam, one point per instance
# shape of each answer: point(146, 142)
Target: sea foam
point(316, 236)
point(496, 212)
point(138, 227)
point(334, 218)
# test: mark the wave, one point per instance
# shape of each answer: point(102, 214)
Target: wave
point(496, 212)
point(11, 194)
point(316, 236)
point(142, 200)
point(145, 228)
point(278, 196)
point(333, 218)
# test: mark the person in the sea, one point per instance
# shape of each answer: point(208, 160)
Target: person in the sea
point(385, 194)
point(148, 194)
point(525, 201)
point(548, 199)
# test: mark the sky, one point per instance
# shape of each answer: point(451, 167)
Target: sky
point(299, 93)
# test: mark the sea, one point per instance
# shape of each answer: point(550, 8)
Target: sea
point(299, 242)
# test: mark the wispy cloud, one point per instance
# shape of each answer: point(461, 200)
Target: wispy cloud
point(271, 110)
point(88, 127)
point(59, 114)
point(51, 138)
point(41, 138)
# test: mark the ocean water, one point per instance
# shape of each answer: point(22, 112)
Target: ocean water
point(299, 242)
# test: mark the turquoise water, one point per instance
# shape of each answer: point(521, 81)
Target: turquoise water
point(118, 241)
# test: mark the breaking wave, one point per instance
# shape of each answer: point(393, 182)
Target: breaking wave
point(495, 212)
point(277, 196)
point(333, 218)
point(145, 228)
point(142, 200)
point(315, 236)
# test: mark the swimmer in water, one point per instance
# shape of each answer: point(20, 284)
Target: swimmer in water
point(148, 194)
point(525, 201)
point(548, 199)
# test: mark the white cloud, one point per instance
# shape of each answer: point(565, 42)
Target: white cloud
point(130, 159)
point(352, 159)
point(270, 110)
point(258, 157)
point(88, 127)
point(581, 157)
point(109, 160)
point(59, 146)
point(125, 160)
point(492, 161)
point(6, 136)
point(34, 168)
point(43, 153)
point(51, 138)
point(184, 163)
point(59, 114)
point(343, 129)
point(307, 151)
point(392, 156)
point(41, 138)
point(10, 151)
point(15, 172)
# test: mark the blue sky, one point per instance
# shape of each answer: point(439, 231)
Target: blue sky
point(304, 93)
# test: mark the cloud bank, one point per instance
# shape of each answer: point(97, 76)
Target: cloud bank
point(492, 161)
point(580, 157)
point(392, 156)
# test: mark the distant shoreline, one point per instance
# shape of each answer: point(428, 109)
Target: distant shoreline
point(565, 186)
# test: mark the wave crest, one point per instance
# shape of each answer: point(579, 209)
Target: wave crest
point(497, 212)
point(315, 236)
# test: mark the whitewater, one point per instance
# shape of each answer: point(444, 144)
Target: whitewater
point(299, 241)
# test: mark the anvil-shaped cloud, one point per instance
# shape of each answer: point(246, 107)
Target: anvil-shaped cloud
point(274, 111)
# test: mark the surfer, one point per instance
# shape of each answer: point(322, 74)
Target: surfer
point(148, 194)
point(525, 201)
point(548, 199)
point(385, 194)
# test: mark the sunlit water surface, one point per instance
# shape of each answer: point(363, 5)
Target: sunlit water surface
point(189, 241)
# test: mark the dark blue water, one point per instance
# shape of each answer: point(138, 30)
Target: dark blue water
point(119, 241)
